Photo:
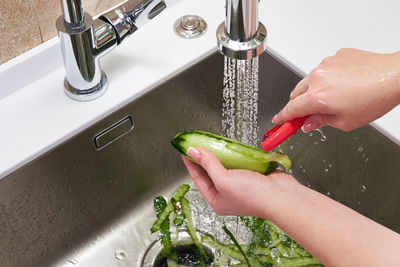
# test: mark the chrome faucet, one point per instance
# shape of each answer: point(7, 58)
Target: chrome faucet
point(241, 36)
point(85, 40)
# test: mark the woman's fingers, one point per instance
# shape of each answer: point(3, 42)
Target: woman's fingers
point(209, 162)
point(298, 107)
point(300, 88)
point(202, 180)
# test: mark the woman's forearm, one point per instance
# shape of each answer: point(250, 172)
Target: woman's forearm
point(332, 232)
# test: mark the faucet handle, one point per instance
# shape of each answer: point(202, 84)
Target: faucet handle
point(130, 16)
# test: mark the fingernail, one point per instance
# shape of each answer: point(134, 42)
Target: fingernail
point(309, 126)
point(274, 118)
point(194, 153)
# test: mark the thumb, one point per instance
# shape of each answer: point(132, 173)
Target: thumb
point(208, 161)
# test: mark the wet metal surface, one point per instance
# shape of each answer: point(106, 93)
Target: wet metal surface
point(78, 206)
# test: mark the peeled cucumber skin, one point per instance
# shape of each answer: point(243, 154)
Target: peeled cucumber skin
point(232, 154)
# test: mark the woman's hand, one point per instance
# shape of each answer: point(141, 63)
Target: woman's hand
point(235, 192)
point(331, 232)
point(346, 91)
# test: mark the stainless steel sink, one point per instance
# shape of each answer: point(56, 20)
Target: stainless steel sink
point(77, 205)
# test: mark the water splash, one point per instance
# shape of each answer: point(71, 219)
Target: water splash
point(240, 100)
point(207, 221)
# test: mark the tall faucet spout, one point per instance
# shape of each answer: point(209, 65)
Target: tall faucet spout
point(73, 12)
point(241, 36)
point(241, 21)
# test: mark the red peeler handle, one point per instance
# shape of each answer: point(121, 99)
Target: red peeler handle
point(280, 133)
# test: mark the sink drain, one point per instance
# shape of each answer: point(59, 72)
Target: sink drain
point(188, 255)
point(187, 251)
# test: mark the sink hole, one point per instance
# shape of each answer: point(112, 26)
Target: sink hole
point(189, 255)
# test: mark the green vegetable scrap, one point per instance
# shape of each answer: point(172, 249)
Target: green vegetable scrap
point(164, 215)
point(269, 246)
point(236, 244)
point(180, 207)
point(160, 204)
point(187, 212)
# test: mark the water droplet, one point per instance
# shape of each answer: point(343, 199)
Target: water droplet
point(316, 143)
point(120, 254)
point(360, 149)
point(326, 170)
point(291, 171)
point(291, 147)
point(330, 165)
point(308, 184)
point(359, 203)
point(310, 134)
point(73, 261)
point(366, 160)
point(324, 160)
point(274, 252)
point(328, 194)
point(323, 137)
point(303, 170)
point(363, 188)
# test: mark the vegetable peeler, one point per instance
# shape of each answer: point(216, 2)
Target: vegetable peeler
point(280, 133)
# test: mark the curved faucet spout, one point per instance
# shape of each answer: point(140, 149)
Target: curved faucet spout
point(84, 41)
point(132, 15)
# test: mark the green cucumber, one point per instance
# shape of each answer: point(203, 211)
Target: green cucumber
point(232, 154)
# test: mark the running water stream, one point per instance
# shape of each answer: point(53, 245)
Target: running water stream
point(240, 100)
point(239, 122)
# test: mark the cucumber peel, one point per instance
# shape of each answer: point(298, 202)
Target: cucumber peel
point(229, 233)
point(164, 215)
point(231, 153)
point(187, 212)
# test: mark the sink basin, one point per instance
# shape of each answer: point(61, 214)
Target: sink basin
point(90, 197)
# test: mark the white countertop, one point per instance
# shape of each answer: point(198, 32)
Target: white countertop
point(36, 115)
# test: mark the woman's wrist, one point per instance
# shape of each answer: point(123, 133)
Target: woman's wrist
point(283, 186)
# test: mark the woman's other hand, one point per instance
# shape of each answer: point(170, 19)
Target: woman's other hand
point(346, 91)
